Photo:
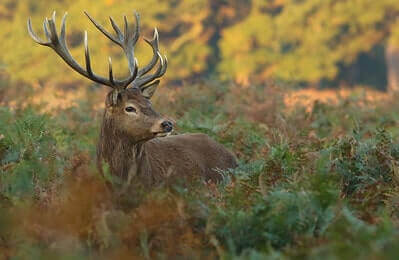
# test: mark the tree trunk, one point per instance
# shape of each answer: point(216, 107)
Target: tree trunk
point(392, 59)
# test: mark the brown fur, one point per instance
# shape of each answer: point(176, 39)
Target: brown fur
point(128, 144)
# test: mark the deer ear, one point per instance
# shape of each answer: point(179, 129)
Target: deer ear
point(149, 90)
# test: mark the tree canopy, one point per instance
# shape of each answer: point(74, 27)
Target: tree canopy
point(253, 40)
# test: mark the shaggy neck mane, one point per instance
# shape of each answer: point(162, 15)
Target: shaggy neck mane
point(118, 150)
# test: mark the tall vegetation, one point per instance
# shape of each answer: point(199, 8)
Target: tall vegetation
point(311, 183)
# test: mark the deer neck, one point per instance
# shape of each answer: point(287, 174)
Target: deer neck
point(124, 156)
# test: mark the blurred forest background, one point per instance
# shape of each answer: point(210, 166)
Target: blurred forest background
point(318, 43)
point(303, 92)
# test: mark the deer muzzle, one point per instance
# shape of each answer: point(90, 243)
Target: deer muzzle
point(162, 128)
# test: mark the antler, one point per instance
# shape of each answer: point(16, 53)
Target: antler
point(141, 81)
point(58, 44)
point(125, 40)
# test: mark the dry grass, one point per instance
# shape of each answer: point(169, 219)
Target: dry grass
point(52, 98)
point(307, 97)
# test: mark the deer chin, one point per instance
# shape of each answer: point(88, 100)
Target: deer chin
point(162, 134)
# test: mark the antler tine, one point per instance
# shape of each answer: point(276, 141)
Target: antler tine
point(117, 30)
point(34, 35)
point(132, 36)
point(154, 43)
point(58, 44)
point(87, 56)
point(163, 71)
point(101, 29)
point(62, 33)
point(46, 30)
point(136, 34)
point(129, 41)
point(111, 76)
point(53, 30)
point(126, 29)
point(125, 40)
point(142, 81)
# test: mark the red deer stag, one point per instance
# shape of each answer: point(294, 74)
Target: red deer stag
point(134, 139)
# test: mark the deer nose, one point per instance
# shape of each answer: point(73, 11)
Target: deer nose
point(167, 126)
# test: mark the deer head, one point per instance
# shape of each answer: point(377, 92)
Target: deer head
point(134, 117)
point(128, 109)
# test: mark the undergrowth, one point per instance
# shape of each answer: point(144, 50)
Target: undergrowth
point(311, 184)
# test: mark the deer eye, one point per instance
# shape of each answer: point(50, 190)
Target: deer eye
point(130, 109)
